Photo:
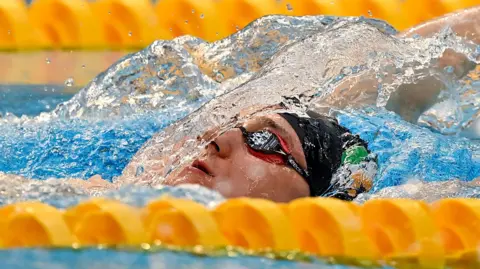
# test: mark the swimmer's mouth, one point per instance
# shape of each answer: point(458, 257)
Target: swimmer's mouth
point(202, 167)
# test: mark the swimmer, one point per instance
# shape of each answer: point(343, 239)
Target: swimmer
point(279, 156)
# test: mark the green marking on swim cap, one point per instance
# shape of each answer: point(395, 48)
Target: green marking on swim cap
point(354, 155)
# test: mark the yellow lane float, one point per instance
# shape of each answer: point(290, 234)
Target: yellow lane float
point(128, 23)
point(181, 222)
point(399, 232)
point(404, 229)
point(255, 224)
point(192, 17)
point(330, 227)
point(16, 29)
point(66, 23)
point(133, 24)
point(101, 221)
point(33, 224)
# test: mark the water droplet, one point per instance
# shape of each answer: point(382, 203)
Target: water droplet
point(69, 82)
point(83, 66)
point(289, 7)
point(370, 13)
point(109, 12)
point(170, 29)
point(332, 2)
point(219, 76)
point(237, 28)
point(202, 16)
point(193, 10)
point(47, 61)
point(216, 33)
point(449, 69)
point(9, 32)
point(130, 33)
point(186, 21)
point(139, 170)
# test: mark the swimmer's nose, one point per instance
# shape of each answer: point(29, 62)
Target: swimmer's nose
point(224, 145)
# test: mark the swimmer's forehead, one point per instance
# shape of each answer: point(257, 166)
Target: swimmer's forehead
point(265, 121)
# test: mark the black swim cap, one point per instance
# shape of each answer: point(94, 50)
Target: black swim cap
point(324, 144)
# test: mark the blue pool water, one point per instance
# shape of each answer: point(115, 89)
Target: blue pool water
point(77, 148)
point(31, 100)
point(81, 148)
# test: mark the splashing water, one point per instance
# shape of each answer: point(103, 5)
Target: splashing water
point(136, 111)
point(299, 62)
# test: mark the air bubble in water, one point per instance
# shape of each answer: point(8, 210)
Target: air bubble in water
point(193, 10)
point(202, 16)
point(83, 66)
point(370, 13)
point(47, 61)
point(69, 82)
point(130, 33)
point(289, 7)
point(186, 21)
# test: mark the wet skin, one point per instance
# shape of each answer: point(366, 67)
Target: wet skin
point(229, 166)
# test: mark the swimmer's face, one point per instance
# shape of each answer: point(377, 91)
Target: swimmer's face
point(228, 166)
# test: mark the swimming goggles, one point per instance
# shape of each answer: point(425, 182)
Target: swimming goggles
point(268, 143)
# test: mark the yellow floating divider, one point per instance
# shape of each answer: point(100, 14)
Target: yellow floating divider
point(452, 5)
point(459, 223)
point(237, 14)
point(32, 224)
point(315, 7)
point(404, 228)
point(66, 23)
point(330, 227)
point(421, 11)
point(133, 24)
point(101, 221)
point(192, 17)
point(182, 223)
point(397, 232)
point(16, 31)
point(128, 23)
point(255, 224)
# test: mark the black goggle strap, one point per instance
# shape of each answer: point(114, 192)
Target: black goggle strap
point(291, 161)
